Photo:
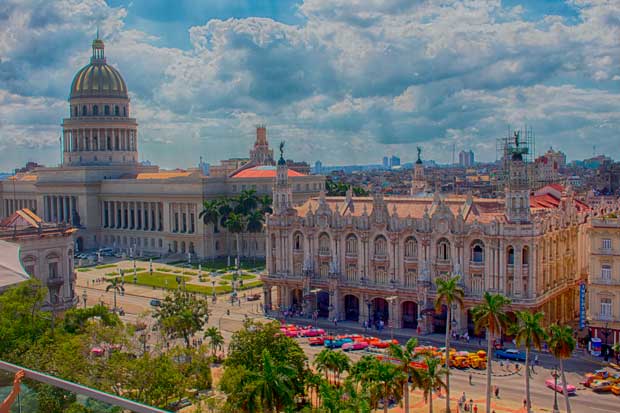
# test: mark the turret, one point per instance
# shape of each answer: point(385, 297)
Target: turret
point(517, 188)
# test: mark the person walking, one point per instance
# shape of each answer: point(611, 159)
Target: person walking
point(470, 379)
point(475, 408)
point(5, 407)
point(497, 392)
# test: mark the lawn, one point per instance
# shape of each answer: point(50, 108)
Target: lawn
point(101, 267)
point(222, 264)
point(243, 277)
point(158, 279)
point(84, 269)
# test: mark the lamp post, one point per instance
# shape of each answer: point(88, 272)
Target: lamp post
point(555, 375)
point(316, 292)
point(391, 299)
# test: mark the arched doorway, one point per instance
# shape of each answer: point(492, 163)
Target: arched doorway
point(323, 303)
point(439, 320)
point(410, 314)
point(380, 310)
point(79, 244)
point(351, 308)
point(296, 299)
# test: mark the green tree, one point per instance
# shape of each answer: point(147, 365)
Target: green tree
point(182, 314)
point(235, 224)
point(265, 202)
point(490, 314)
point(210, 213)
point(255, 222)
point(406, 355)
point(431, 379)
point(357, 191)
point(383, 380)
point(247, 201)
point(448, 292)
point(273, 384)
point(216, 340)
point(75, 319)
point(116, 285)
point(528, 332)
point(323, 362)
point(561, 345)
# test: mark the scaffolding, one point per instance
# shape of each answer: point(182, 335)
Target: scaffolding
point(521, 141)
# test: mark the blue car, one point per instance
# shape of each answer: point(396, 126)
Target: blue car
point(337, 343)
point(510, 354)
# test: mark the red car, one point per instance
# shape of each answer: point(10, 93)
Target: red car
point(312, 332)
point(355, 345)
point(316, 341)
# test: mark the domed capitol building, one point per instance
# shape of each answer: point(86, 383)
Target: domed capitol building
point(114, 201)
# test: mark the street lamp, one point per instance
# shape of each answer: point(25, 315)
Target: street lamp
point(555, 375)
point(391, 300)
point(316, 292)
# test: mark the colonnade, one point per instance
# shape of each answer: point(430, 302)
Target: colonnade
point(59, 208)
point(183, 217)
point(134, 215)
point(12, 205)
point(100, 139)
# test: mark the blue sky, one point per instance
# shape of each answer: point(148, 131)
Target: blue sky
point(343, 81)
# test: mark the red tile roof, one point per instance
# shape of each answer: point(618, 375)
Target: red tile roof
point(263, 172)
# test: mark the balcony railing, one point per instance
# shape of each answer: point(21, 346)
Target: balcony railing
point(78, 389)
point(605, 281)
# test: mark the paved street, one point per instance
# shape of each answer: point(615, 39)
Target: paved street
point(136, 302)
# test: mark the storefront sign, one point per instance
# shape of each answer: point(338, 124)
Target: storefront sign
point(582, 305)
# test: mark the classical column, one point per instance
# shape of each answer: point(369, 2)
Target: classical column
point(518, 271)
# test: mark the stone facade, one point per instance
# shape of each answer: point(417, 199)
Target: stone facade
point(114, 201)
point(46, 252)
point(379, 258)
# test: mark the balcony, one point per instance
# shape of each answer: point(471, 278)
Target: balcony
point(604, 281)
point(55, 282)
point(476, 264)
point(605, 251)
point(324, 252)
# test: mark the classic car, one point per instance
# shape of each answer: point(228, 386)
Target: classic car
point(570, 389)
point(355, 345)
point(510, 354)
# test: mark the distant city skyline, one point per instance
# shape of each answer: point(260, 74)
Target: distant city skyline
point(337, 81)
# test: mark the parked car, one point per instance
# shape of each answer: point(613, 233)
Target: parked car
point(155, 302)
point(354, 346)
point(316, 341)
point(510, 354)
point(338, 342)
point(601, 386)
point(312, 332)
point(570, 389)
point(253, 297)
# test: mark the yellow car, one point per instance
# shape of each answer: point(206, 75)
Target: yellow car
point(601, 386)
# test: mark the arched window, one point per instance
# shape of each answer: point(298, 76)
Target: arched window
point(477, 251)
point(351, 245)
point(95, 110)
point(511, 256)
point(411, 248)
point(525, 258)
point(443, 249)
point(106, 110)
point(298, 242)
point(84, 110)
point(324, 244)
point(116, 112)
point(380, 246)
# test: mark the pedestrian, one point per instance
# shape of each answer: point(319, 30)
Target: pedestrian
point(470, 379)
point(475, 408)
point(335, 322)
point(479, 342)
point(524, 404)
point(497, 392)
point(536, 359)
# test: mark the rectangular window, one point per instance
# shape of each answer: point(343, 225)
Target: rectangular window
point(351, 272)
point(606, 244)
point(234, 188)
point(606, 307)
point(606, 272)
point(53, 270)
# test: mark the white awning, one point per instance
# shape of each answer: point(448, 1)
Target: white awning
point(11, 270)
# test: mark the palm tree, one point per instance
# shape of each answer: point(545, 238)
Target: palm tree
point(273, 386)
point(224, 210)
point(528, 332)
point(247, 201)
point(235, 224)
point(210, 213)
point(340, 364)
point(265, 204)
point(561, 345)
point(313, 383)
point(405, 355)
point(324, 362)
point(115, 284)
point(431, 379)
point(216, 340)
point(448, 292)
point(255, 222)
point(490, 315)
point(382, 380)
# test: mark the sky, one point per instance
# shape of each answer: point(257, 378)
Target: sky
point(339, 81)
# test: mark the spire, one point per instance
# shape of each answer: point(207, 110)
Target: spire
point(281, 161)
point(98, 47)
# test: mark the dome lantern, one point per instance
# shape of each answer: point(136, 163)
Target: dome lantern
point(98, 47)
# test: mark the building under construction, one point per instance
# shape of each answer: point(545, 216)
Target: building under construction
point(521, 142)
